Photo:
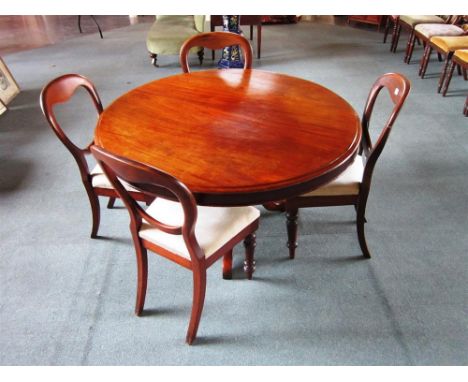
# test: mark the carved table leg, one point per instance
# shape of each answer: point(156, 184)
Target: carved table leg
point(291, 223)
point(227, 266)
point(249, 263)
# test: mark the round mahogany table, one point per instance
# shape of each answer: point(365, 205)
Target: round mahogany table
point(235, 137)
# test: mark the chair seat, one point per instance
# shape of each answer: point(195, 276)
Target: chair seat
point(413, 20)
point(99, 180)
point(168, 33)
point(462, 55)
point(346, 184)
point(430, 30)
point(450, 43)
point(215, 226)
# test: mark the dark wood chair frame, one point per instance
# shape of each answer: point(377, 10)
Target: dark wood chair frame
point(60, 90)
point(456, 62)
point(157, 183)
point(430, 46)
point(391, 19)
point(215, 40)
point(396, 36)
point(415, 35)
point(398, 87)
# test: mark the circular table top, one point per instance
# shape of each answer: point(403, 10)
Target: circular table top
point(235, 137)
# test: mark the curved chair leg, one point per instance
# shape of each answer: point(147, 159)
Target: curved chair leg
point(249, 262)
point(142, 276)
point(291, 225)
point(95, 209)
point(410, 49)
point(360, 221)
point(227, 266)
point(110, 203)
point(201, 54)
point(199, 289)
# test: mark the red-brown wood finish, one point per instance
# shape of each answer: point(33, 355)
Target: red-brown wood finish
point(463, 66)
point(152, 181)
point(235, 137)
point(60, 90)
point(398, 87)
point(215, 40)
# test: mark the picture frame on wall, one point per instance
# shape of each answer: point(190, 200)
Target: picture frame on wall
point(9, 89)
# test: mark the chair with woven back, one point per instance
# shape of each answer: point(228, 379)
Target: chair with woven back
point(215, 40)
point(352, 187)
point(174, 227)
point(60, 90)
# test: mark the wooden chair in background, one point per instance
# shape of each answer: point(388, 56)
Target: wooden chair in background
point(445, 46)
point(175, 228)
point(352, 187)
point(460, 59)
point(60, 90)
point(215, 40)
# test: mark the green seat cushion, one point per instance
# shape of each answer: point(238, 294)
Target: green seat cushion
point(413, 20)
point(168, 33)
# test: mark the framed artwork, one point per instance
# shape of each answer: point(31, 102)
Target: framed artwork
point(8, 87)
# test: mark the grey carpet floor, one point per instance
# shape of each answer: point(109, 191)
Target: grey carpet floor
point(66, 299)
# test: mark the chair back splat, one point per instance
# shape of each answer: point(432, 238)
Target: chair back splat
point(156, 183)
point(398, 87)
point(215, 40)
point(60, 90)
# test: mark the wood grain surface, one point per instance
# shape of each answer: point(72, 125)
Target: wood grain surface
point(235, 137)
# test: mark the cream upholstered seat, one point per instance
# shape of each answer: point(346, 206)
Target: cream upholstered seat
point(346, 184)
point(99, 180)
point(419, 19)
point(215, 226)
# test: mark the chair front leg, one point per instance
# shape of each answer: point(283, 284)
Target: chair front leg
point(444, 71)
point(142, 275)
point(95, 208)
point(291, 225)
point(199, 290)
point(425, 60)
point(360, 221)
point(249, 262)
point(409, 47)
point(449, 78)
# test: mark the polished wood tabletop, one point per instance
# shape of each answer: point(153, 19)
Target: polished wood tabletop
point(235, 137)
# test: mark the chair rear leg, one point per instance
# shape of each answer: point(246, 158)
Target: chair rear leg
point(387, 28)
point(110, 203)
point(227, 266)
point(409, 47)
point(199, 290)
point(396, 34)
point(250, 243)
point(291, 225)
point(95, 209)
point(142, 275)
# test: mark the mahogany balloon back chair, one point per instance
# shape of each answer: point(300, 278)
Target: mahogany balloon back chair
point(174, 227)
point(353, 185)
point(215, 40)
point(60, 90)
